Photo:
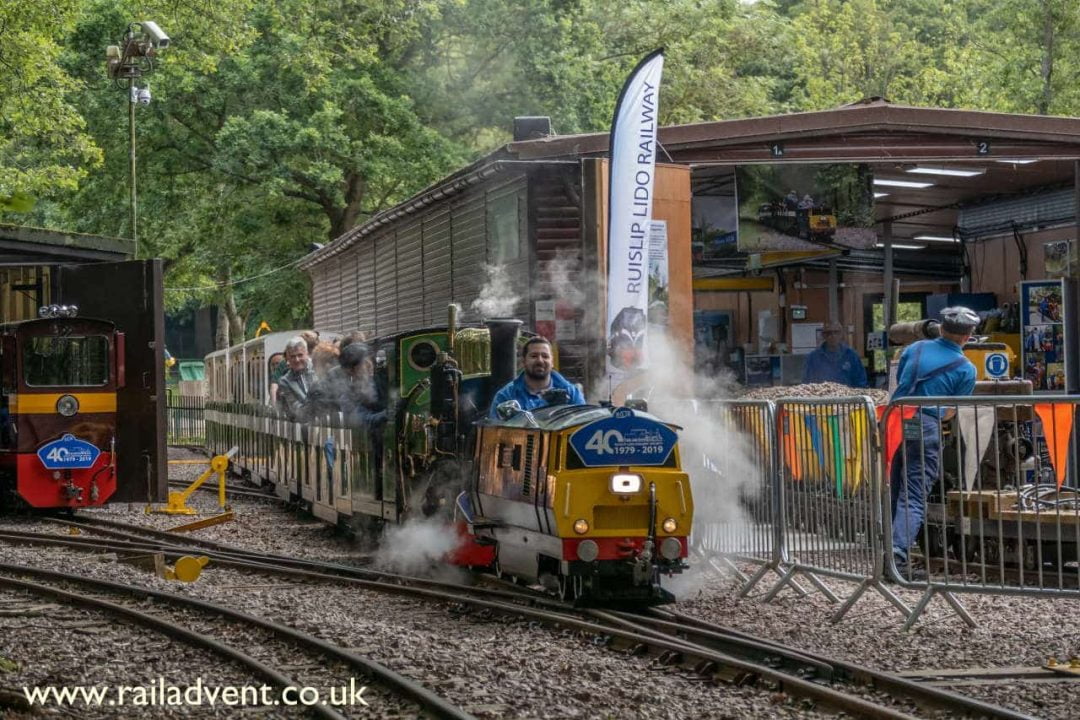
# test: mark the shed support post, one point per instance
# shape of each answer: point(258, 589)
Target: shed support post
point(834, 292)
point(889, 311)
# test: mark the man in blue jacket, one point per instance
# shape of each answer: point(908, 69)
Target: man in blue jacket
point(529, 386)
point(927, 368)
point(834, 361)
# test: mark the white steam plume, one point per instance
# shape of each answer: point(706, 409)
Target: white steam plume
point(726, 471)
point(417, 547)
point(561, 272)
point(497, 297)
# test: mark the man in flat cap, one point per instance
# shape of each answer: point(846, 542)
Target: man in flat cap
point(834, 361)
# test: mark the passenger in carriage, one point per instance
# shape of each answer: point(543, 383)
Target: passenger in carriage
point(295, 385)
point(276, 366)
point(361, 398)
point(324, 358)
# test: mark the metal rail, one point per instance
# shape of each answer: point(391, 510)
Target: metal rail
point(724, 665)
point(403, 686)
point(891, 683)
point(154, 623)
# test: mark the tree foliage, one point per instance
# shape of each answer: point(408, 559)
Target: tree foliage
point(281, 123)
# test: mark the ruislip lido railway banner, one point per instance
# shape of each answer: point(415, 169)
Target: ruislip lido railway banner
point(630, 199)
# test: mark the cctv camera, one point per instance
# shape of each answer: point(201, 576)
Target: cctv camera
point(157, 37)
point(144, 96)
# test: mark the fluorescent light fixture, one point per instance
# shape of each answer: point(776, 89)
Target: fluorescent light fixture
point(935, 238)
point(902, 246)
point(880, 195)
point(885, 182)
point(1018, 161)
point(947, 171)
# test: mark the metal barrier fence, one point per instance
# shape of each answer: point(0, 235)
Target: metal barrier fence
point(728, 448)
point(800, 487)
point(830, 485)
point(184, 420)
point(984, 496)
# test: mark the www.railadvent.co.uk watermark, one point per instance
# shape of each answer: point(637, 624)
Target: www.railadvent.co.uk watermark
point(162, 693)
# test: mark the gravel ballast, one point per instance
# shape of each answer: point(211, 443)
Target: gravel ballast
point(492, 667)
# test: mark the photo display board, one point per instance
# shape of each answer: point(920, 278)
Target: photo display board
point(1046, 335)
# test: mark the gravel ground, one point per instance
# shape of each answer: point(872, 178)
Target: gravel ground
point(45, 643)
point(1011, 632)
point(493, 667)
point(814, 390)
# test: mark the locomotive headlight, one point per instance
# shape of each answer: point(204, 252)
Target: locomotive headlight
point(581, 526)
point(67, 405)
point(625, 483)
point(669, 525)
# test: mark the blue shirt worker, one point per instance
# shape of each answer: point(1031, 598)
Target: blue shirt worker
point(834, 361)
point(927, 368)
point(529, 386)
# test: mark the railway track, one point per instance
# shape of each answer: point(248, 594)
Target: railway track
point(668, 636)
point(77, 590)
point(233, 490)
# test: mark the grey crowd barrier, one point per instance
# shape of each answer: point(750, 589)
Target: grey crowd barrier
point(728, 448)
point(983, 497)
point(829, 506)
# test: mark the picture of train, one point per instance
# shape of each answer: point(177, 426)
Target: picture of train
point(58, 421)
point(812, 222)
point(588, 501)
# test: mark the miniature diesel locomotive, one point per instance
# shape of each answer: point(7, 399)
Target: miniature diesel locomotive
point(589, 501)
point(60, 375)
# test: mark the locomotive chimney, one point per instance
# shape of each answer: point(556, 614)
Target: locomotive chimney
point(503, 332)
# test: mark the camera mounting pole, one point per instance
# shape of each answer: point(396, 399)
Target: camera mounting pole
point(130, 62)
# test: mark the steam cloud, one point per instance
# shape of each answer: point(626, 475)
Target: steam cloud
point(560, 273)
point(417, 547)
point(497, 296)
point(725, 475)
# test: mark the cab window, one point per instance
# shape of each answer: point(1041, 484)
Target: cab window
point(50, 361)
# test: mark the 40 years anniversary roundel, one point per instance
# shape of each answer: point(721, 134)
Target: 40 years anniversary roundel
point(68, 453)
point(623, 439)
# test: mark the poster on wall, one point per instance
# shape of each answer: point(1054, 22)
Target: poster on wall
point(1061, 259)
point(798, 208)
point(1043, 341)
point(714, 211)
point(658, 276)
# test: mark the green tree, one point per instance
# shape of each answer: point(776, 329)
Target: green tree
point(45, 148)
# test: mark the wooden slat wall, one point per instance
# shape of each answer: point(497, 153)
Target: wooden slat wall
point(469, 238)
point(517, 269)
point(332, 278)
point(365, 287)
point(349, 320)
point(556, 209)
point(322, 304)
point(18, 305)
point(438, 278)
point(411, 281)
point(386, 285)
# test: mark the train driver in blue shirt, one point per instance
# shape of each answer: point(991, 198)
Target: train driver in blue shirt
point(927, 368)
point(834, 361)
point(538, 377)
